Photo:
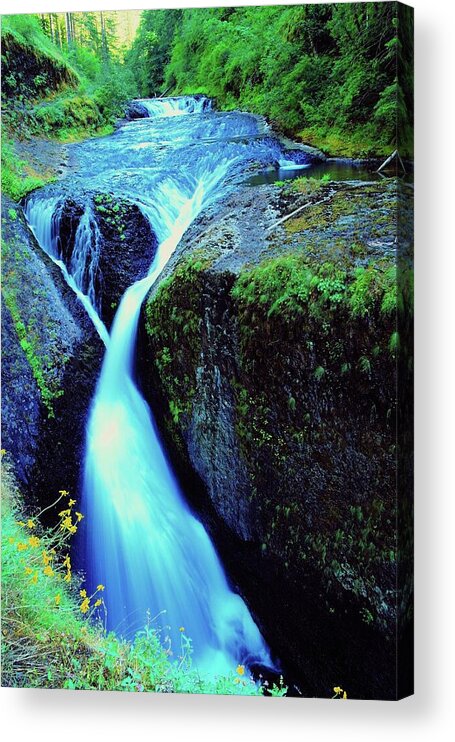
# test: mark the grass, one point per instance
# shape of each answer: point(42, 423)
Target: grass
point(44, 94)
point(53, 632)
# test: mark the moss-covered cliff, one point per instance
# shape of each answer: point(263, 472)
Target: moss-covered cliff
point(274, 379)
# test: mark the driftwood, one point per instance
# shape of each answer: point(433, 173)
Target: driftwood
point(297, 211)
point(162, 95)
point(396, 154)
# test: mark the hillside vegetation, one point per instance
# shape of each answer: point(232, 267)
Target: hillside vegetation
point(335, 75)
point(58, 87)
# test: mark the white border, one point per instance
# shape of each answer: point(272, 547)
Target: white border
point(68, 716)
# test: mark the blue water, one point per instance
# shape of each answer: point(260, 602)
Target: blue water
point(143, 542)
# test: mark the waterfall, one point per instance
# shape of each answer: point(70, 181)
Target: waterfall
point(142, 540)
point(43, 216)
point(144, 543)
point(175, 106)
point(85, 256)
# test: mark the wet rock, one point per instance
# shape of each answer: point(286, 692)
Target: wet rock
point(124, 251)
point(282, 425)
point(136, 110)
point(51, 359)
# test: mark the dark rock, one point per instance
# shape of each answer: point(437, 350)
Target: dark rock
point(304, 156)
point(136, 110)
point(293, 471)
point(51, 359)
point(126, 247)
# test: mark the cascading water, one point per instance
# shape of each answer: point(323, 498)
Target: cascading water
point(175, 106)
point(143, 542)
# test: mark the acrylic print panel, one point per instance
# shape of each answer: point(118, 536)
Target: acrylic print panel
point(207, 350)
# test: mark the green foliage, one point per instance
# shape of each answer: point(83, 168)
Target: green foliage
point(15, 182)
point(48, 391)
point(328, 72)
point(307, 185)
point(46, 100)
point(291, 285)
point(173, 319)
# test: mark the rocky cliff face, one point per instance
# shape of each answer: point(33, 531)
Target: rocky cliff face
point(125, 250)
point(268, 353)
point(51, 356)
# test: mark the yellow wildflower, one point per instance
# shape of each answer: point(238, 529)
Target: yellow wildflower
point(67, 524)
point(71, 503)
point(11, 540)
point(345, 695)
point(100, 588)
point(98, 603)
point(79, 516)
point(67, 577)
point(48, 571)
point(57, 599)
point(83, 593)
point(35, 578)
point(337, 689)
point(85, 605)
point(30, 524)
point(34, 541)
point(28, 570)
point(21, 546)
point(20, 523)
point(63, 492)
point(64, 513)
point(2, 451)
point(182, 628)
point(241, 669)
point(67, 562)
point(46, 558)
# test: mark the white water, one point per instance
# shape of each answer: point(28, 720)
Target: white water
point(163, 559)
point(175, 106)
point(143, 542)
point(42, 215)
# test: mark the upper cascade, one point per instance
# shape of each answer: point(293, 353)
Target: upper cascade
point(175, 106)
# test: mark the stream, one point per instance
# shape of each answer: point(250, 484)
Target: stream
point(141, 539)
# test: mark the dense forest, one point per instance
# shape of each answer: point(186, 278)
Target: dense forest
point(337, 76)
point(325, 73)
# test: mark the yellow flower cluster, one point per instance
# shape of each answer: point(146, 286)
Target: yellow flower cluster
point(86, 599)
point(340, 693)
point(66, 516)
point(46, 563)
point(67, 565)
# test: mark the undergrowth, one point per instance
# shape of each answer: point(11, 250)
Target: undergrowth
point(16, 181)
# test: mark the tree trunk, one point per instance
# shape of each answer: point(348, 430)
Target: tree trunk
point(69, 38)
point(104, 49)
point(51, 27)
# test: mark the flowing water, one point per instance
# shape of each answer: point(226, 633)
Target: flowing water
point(143, 542)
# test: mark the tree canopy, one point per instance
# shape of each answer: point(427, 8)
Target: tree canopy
point(327, 72)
